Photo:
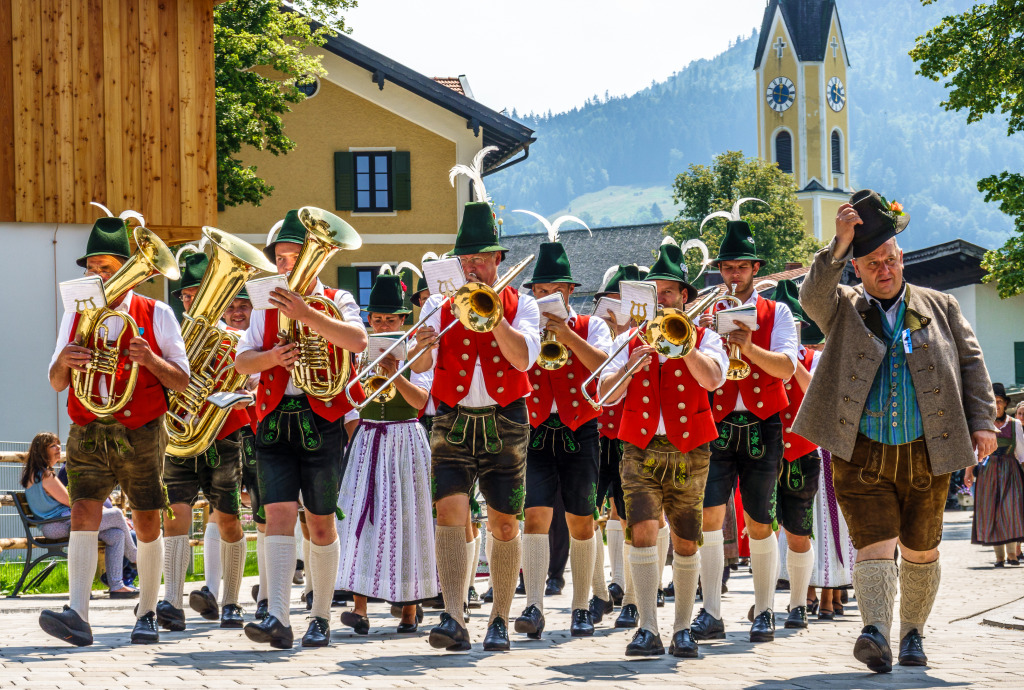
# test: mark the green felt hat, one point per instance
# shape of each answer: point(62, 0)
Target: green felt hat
point(478, 232)
point(788, 293)
point(552, 265)
point(387, 296)
point(737, 245)
point(109, 237)
point(193, 267)
point(616, 274)
point(290, 229)
point(670, 266)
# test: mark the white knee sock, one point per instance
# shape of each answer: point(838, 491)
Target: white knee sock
point(307, 571)
point(536, 559)
point(151, 558)
point(712, 566)
point(261, 565)
point(323, 566)
point(82, 559)
point(581, 564)
point(685, 572)
point(232, 555)
point(615, 544)
point(597, 582)
point(175, 557)
point(628, 593)
point(764, 561)
point(280, 570)
point(643, 562)
point(663, 542)
point(211, 558)
point(800, 566)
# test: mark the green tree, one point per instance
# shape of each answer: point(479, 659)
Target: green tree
point(778, 228)
point(980, 54)
point(259, 60)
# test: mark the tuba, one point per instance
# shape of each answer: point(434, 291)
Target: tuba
point(322, 369)
point(192, 422)
point(109, 356)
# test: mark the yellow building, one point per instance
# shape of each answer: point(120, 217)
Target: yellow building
point(374, 143)
point(802, 111)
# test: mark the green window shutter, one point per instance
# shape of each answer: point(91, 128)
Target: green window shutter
point(348, 280)
point(344, 181)
point(1018, 360)
point(402, 178)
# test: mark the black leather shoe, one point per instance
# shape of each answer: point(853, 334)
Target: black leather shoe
point(256, 592)
point(270, 631)
point(407, 628)
point(763, 627)
point(872, 650)
point(66, 625)
point(582, 624)
point(169, 617)
point(531, 622)
point(396, 612)
point(599, 608)
point(473, 598)
point(616, 592)
point(231, 616)
point(204, 603)
point(645, 643)
point(628, 617)
point(496, 639)
point(670, 591)
point(797, 618)
point(683, 645)
point(449, 635)
point(489, 595)
point(707, 627)
point(912, 651)
point(661, 598)
point(360, 624)
point(826, 615)
point(145, 631)
point(262, 609)
point(521, 587)
point(318, 634)
point(307, 598)
point(553, 588)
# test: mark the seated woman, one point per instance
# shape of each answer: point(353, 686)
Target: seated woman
point(48, 498)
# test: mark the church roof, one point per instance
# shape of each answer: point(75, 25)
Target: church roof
point(807, 22)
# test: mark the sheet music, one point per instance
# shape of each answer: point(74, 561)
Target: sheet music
point(747, 314)
point(225, 399)
point(444, 276)
point(552, 304)
point(82, 293)
point(377, 343)
point(259, 290)
point(608, 304)
point(639, 300)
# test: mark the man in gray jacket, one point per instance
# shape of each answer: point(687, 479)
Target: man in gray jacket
point(902, 399)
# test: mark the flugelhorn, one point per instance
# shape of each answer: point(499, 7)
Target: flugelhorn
point(738, 368)
point(553, 354)
point(93, 330)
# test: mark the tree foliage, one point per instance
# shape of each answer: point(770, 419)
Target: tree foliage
point(259, 59)
point(778, 228)
point(980, 53)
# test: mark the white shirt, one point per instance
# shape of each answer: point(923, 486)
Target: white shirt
point(711, 345)
point(166, 332)
point(814, 360)
point(526, 323)
point(252, 339)
point(598, 335)
point(893, 311)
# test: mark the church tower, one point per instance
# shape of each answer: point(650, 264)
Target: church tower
point(802, 111)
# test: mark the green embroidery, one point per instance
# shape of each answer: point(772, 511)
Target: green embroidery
point(592, 497)
point(433, 488)
point(212, 456)
point(724, 434)
point(569, 440)
point(808, 521)
point(292, 404)
point(771, 507)
point(339, 513)
point(537, 442)
point(270, 431)
point(647, 467)
point(518, 498)
point(681, 475)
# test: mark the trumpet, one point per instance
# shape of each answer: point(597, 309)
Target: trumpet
point(553, 354)
point(738, 368)
point(372, 380)
point(671, 333)
point(477, 306)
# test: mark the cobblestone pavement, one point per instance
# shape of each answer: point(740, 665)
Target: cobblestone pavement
point(974, 640)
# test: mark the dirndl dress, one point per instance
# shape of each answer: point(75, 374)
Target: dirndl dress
point(999, 493)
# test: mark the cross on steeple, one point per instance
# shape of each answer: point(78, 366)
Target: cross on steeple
point(835, 46)
point(779, 46)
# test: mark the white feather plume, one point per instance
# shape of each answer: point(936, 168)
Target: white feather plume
point(552, 227)
point(273, 229)
point(669, 240)
point(608, 275)
point(103, 208)
point(731, 215)
point(716, 214)
point(705, 255)
point(412, 267)
point(181, 255)
point(565, 219)
point(429, 256)
point(125, 215)
point(385, 270)
point(475, 172)
point(766, 285)
point(644, 269)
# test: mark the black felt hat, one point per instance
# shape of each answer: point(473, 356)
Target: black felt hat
point(109, 237)
point(999, 391)
point(881, 220)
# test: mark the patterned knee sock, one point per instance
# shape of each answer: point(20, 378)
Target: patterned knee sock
point(919, 583)
point(232, 555)
point(615, 549)
point(507, 557)
point(800, 566)
point(536, 558)
point(307, 571)
point(470, 569)
point(581, 563)
point(875, 584)
point(323, 566)
point(151, 557)
point(82, 559)
point(450, 548)
point(211, 558)
point(488, 547)
point(764, 561)
point(280, 570)
point(597, 582)
point(664, 539)
point(628, 592)
point(261, 565)
point(176, 557)
point(643, 562)
point(685, 572)
point(712, 566)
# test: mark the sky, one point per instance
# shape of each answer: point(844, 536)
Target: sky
point(536, 55)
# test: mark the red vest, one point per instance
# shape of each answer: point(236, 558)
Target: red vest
point(274, 381)
point(667, 389)
point(610, 421)
point(458, 354)
point(149, 399)
point(563, 387)
point(796, 446)
point(763, 395)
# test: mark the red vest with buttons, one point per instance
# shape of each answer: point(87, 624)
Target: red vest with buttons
point(236, 419)
point(273, 382)
point(763, 395)
point(796, 446)
point(611, 419)
point(668, 390)
point(459, 351)
point(149, 399)
point(563, 387)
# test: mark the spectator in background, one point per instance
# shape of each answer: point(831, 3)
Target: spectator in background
point(1020, 412)
point(48, 498)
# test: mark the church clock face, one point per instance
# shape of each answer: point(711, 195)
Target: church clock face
point(835, 94)
point(780, 94)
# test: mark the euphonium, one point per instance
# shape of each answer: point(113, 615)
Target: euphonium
point(738, 368)
point(322, 368)
point(192, 422)
point(93, 331)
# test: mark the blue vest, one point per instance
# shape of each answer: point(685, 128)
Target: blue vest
point(891, 415)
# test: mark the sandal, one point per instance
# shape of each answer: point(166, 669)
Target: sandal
point(132, 593)
point(812, 606)
point(826, 615)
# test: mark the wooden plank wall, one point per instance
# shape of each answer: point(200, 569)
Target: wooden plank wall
point(109, 101)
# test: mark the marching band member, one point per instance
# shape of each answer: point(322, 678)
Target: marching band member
point(749, 446)
point(902, 377)
point(666, 426)
point(299, 440)
point(126, 448)
point(564, 445)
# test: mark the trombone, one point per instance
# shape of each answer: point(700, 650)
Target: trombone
point(477, 306)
